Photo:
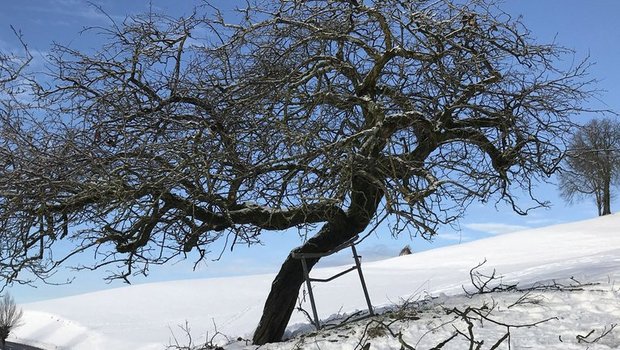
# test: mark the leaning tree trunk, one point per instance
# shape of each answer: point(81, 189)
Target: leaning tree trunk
point(285, 287)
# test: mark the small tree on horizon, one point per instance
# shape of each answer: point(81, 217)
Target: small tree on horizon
point(10, 317)
point(321, 116)
point(592, 164)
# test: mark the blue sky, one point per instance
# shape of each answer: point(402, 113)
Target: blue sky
point(589, 27)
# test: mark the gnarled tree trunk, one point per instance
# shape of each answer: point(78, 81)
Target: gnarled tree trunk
point(285, 287)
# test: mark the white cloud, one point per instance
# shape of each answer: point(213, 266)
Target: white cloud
point(454, 237)
point(542, 222)
point(494, 227)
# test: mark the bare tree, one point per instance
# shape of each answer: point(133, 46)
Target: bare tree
point(325, 116)
point(593, 164)
point(405, 251)
point(12, 66)
point(10, 317)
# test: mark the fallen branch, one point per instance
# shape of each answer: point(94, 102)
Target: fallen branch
point(604, 332)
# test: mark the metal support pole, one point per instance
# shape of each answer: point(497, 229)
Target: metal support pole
point(359, 271)
point(306, 273)
point(309, 286)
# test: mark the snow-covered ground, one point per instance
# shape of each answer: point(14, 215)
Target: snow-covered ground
point(147, 316)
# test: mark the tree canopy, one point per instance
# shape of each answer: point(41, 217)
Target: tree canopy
point(325, 116)
point(592, 165)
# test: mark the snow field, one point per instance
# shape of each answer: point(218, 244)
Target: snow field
point(145, 317)
point(539, 319)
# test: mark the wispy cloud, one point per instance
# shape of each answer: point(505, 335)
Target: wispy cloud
point(454, 237)
point(59, 10)
point(494, 228)
point(542, 222)
point(369, 253)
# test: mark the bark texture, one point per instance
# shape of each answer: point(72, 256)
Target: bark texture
point(285, 287)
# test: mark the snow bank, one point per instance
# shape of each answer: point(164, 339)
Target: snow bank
point(144, 317)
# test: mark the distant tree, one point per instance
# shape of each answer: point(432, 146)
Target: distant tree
point(593, 164)
point(10, 317)
point(325, 116)
point(405, 251)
